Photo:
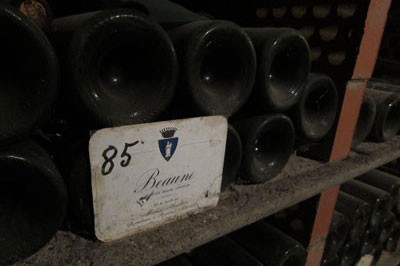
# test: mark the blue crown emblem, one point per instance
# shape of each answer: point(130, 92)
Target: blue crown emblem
point(169, 143)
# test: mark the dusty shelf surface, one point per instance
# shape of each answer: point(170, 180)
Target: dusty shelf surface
point(239, 206)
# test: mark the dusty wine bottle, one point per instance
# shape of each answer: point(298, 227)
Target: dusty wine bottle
point(296, 221)
point(393, 240)
point(365, 121)
point(165, 12)
point(267, 144)
point(332, 261)
point(338, 231)
point(350, 252)
point(315, 113)
point(283, 64)
point(33, 200)
point(72, 158)
point(217, 59)
point(387, 122)
point(380, 200)
point(29, 75)
point(377, 253)
point(233, 157)
point(386, 182)
point(357, 211)
point(217, 64)
point(222, 251)
point(388, 222)
point(392, 168)
point(369, 239)
point(270, 246)
point(121, 66)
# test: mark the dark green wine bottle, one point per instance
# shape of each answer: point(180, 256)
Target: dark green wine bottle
point(33, 200)
point(270, 246)
point(222, 251)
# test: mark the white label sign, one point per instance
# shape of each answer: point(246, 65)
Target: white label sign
point(144, 175)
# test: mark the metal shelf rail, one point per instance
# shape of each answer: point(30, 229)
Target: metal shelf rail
point(365, 64)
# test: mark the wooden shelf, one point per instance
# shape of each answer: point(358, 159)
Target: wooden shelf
point(238, 207)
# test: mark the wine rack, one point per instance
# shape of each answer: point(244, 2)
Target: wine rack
point(301, 179)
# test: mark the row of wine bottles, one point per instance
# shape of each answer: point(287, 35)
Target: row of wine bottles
point(255, 245)
point(110, 78)
point(365, 220)
point(379, 120)
point(120, 66)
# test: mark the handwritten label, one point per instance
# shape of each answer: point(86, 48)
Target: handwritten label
point(145, 175)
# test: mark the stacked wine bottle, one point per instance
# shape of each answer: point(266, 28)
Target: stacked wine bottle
point(379, 114)
point(255, 245)
point(366, 219)
point(66, 76)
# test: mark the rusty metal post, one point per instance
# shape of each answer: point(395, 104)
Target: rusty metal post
point(369, 48)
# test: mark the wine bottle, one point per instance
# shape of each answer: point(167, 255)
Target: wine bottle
point(270, 246)
point(217, 59)
point(349, 252)
point(222, 251)
point(166, 13)
point(296, 221)
point(29, 75)
point(388, 223)
point(267, 144)
point(315, 113)
point(393, 240)
point(376, 253)
point(283, 64)
point(357, 211)
point(218, 67)
point(365, 121)
point(380, 200)
point(392, 168)
point(369, 239)
point(72, 158)
point(386, 182)
point(33, 200)
point(233, 158)
point(386, 124)
point(331, 261)
point(337, 235)
point(120, 66)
